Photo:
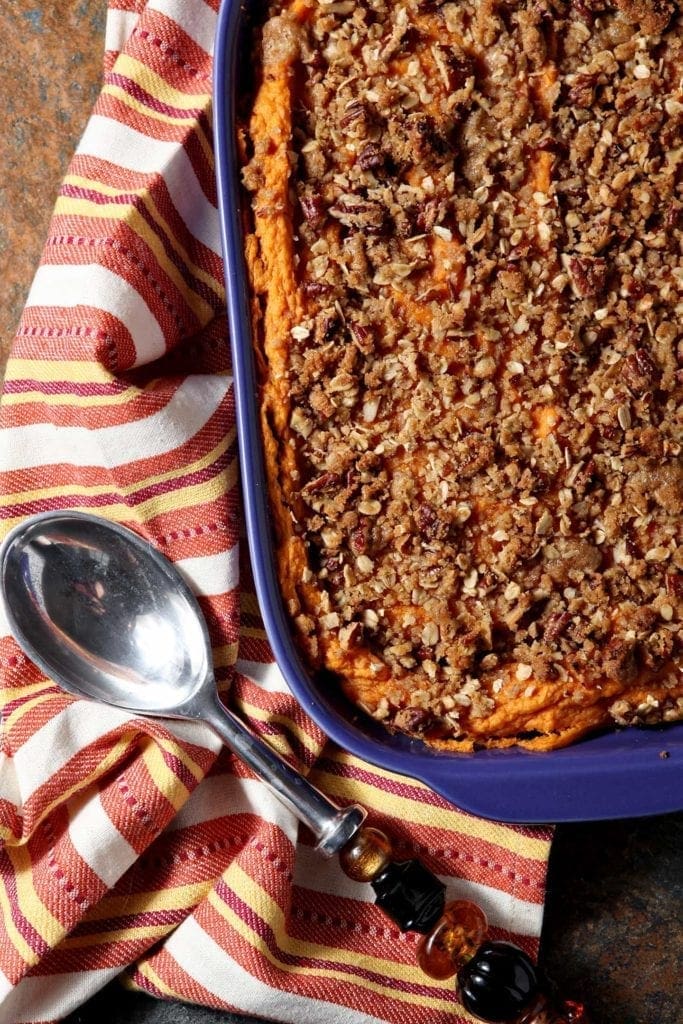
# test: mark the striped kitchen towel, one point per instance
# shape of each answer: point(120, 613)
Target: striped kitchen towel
point(134, 846)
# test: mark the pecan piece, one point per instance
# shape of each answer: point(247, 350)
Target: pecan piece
point(371, 157)
point(619, 659)
point(356, 115)
point(354, 212)
point(588, 276)
point(640, 372)
point(582, 91)
point(426, 214)
point(426, 144)
point(656, 649)
point(473, 454)
point(313, 208)
point(314, 289)
point(555, 626)
point(413, 720)
point(321, 483)
point(362, 335)
point(429, 523)
point(583, 11)
point(672, 216)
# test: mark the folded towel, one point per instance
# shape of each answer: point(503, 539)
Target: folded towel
point(137, 846)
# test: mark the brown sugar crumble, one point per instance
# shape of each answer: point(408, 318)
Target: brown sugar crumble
point(464, 245)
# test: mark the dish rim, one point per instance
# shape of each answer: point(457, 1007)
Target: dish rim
point(586, 781)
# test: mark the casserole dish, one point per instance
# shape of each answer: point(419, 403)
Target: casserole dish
point(620, 774)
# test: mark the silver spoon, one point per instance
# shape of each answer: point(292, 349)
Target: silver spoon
point(107, 617)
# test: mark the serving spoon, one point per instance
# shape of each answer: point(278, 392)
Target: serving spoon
point(109, 618)
point(106, 616)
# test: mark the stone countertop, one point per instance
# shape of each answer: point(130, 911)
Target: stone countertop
point(613, 934)
point(49, 79)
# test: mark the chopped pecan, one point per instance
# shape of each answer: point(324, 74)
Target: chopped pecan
point(582, 91)
point(555, 626)
point(413, 720)
point(313, 208)
point(640, 372)
point(473, 454)
point(673, 215)
point(588, 276)
point(371, 157)
point(426, 215)
point(428, 144)
point(314, 289)
point(583, 10)
point(656, 649)
point(355, 212)
point(356, 115)
point(619, 659)
point(321, 483)
point(429, 523)
point(360, 537)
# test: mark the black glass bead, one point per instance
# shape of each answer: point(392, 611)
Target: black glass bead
point(498, 983)
point(410, 895)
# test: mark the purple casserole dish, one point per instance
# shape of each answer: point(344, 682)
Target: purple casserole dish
point(625, 773)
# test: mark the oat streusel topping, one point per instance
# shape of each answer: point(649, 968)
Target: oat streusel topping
point(467, 270)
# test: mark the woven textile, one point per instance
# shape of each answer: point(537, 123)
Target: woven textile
point(133, 845)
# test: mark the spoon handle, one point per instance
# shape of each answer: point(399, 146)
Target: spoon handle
point(332, 825)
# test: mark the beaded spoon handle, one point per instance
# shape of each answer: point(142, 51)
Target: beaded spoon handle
point(95, 607)
point(496, 981)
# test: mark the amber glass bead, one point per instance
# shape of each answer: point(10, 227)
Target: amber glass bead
point(454, 939)
point(499, 984)
point(366, 855)
point(410, 895)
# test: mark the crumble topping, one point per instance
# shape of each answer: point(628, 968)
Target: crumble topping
point(473, 390)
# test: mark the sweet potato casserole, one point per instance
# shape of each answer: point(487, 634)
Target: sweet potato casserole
point(464, 244)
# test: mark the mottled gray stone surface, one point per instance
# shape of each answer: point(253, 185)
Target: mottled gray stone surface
point(50, 75)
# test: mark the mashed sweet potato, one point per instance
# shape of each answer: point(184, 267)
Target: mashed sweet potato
point(463, 238)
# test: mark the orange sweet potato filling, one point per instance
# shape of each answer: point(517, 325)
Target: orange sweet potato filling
point(462, 235)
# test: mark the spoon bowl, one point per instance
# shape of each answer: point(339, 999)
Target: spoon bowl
point(105, 616)
point(109, 618)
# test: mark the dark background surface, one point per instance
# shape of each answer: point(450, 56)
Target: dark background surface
point(613, 933)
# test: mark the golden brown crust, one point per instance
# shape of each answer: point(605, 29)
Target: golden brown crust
point(466, 270)
point(650, 16)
